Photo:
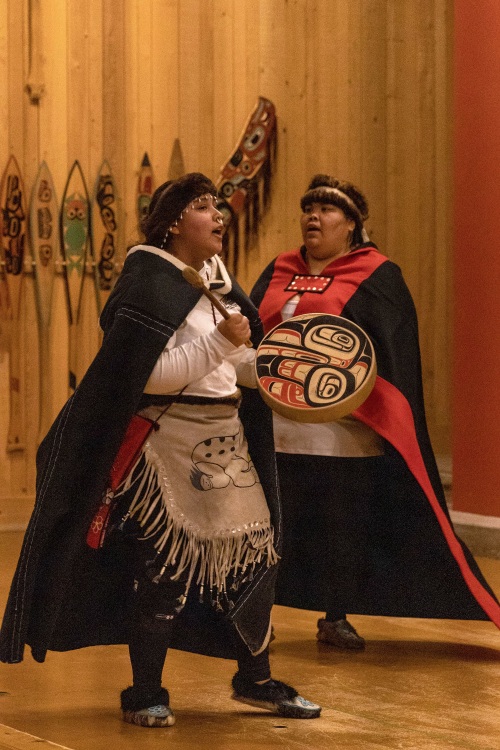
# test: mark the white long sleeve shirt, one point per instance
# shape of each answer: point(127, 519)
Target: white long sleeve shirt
point(198, 357)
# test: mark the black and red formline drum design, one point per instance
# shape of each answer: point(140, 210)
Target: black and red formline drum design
point(315, 367)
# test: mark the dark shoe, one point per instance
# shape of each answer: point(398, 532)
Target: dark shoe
point(274, 696)
point(339, 633)
point(157, 714)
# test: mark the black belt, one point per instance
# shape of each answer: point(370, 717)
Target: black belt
point(148, 399)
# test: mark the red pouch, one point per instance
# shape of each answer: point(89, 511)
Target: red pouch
point(99, 523)
point(128, 453)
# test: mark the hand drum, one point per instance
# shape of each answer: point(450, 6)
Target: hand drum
point(315, 368)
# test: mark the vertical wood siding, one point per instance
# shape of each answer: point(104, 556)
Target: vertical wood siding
point(361, 90)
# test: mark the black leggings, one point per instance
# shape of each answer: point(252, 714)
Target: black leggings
point(152, 620)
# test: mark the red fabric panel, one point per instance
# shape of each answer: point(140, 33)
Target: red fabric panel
point(348, 272)
point(388, 412)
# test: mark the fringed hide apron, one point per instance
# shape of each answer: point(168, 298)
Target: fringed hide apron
point(196, 494)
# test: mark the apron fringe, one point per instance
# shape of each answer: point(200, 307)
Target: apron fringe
point(230, 557)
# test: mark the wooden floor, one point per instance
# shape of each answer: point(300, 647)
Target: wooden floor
point(420, 684)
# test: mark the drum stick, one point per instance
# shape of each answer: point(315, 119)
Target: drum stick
point(193, 277)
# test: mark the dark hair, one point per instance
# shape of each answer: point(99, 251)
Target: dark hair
point(169, 201)
point(357, 212)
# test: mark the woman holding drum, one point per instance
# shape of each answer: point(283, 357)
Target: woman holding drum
point(366, 528)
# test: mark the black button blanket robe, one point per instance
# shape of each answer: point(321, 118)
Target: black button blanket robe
point(415, 566)
point(65, 595)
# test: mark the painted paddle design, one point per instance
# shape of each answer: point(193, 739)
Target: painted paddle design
point(45, 249)
point(176, 167)
point(244, 181)
point(44, 238)
point(75, 237)
point(105, 226)
point(13, 244)
point(145, 189)
point(13, 237)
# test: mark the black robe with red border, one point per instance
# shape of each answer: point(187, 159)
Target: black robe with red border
point(425, 571)
point(65, 595)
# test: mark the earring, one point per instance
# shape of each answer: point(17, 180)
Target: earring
point(169, 231)
point(164, 240)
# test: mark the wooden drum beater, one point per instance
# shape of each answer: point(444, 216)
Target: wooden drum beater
point(193, 277)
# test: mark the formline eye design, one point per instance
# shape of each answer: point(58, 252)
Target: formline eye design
point(315, 368)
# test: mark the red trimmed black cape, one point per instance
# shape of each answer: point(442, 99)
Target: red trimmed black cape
point(425, 570)
point(65, 595)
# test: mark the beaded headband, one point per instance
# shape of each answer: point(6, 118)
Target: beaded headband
point(191, 204)
point(317, 191)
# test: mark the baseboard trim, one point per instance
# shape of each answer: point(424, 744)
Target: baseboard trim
point(13, 526)
point(481, 534)
point(474, 519)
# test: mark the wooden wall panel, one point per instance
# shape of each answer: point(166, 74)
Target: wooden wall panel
point(425, 289)
point(32, 90)
point(137, 139)
point(402, 152)
point(53, 106)
point(272, 33)
point(5, 464)
point(78, 112)
point(203, 78)
point(350, 136)
point(113, 83)
point(373, 118)
point(246, 63)
point(94, 72)
point(327, 95)
point(439, 389)
point(141, 109)
point(29, 154)
point(297, 122)
point(193, 129)
point(361, 89)
point(114, 112)
point(222, 79)
point(16, 38)
point(4, 78)
point(165, 83)
point(81, 115)
point(53, 149)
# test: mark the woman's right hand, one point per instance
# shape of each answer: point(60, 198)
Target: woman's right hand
point(236, 329)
